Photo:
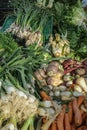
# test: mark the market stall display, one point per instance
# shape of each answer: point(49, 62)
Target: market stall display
point(43, 66)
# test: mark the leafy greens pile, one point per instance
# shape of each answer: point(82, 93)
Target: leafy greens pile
point(63, 16)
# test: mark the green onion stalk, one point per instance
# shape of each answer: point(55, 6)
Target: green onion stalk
point(29, 123)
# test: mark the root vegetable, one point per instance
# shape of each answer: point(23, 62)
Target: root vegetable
point(53, 126)
point(80, 100)
point(84, 116)
point(49, 128)
point(54, 81)
point(73, 127)
point(50, 121)
point(69, 83)
point(77, 94)
point(46, 103)
point(66, 93)
point(50, 87)
point(38, 76)
point(77, 114)
point(42, 73)
point(82, 112)
point(57, 93)
point(60, 120)
point(50, 111)
point(86, 121)
point(42, 112)
point(85, 104)
point(67, 78)
point(61, 88)
point(66, 122)
point(52, 70)
point(44, 95)
point(70, 112)
point(51, 93)
point(59, 74)
point(54, 63)
point(80, 71)
point(64, 98)
point(43, 82)
point(83, 108)
point(81, 82)
point(77, 88)
point(82, 128)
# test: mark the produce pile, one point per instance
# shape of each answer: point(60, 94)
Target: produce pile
point(43, 66)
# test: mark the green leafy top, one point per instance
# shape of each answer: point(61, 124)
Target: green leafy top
point(7, 44)
point(77, 15)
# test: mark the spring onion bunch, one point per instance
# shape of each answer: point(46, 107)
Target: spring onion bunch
point(17, 110)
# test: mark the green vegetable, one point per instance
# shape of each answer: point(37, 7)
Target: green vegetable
point(28, 124)
point(7, 44)
point(77, 15)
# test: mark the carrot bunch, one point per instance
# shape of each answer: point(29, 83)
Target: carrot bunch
point(72, 119)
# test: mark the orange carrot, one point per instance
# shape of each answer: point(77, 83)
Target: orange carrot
point(82, 111)
point(54, 126)
point(70, 112)
point(73, 127)
point(66, 122)
point(85, 104)
point(49, 128)
point(80, 100)
point(60, 120)
point(82, 128)
point(77, 113)
point(44, 95)
point(84, 116)
point(86, 121)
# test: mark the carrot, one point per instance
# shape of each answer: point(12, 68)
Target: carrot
point(82, 128)
point(60, 120)
point(73, 127)
point(84, 116)
point(77, 113)
point(54, 126)
point(86, 121)
point(80, 100)
point(49, 128)
point(85, 104)
point(66, 122)
point(82, 112)
point(44, 95)
point(70, 112)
